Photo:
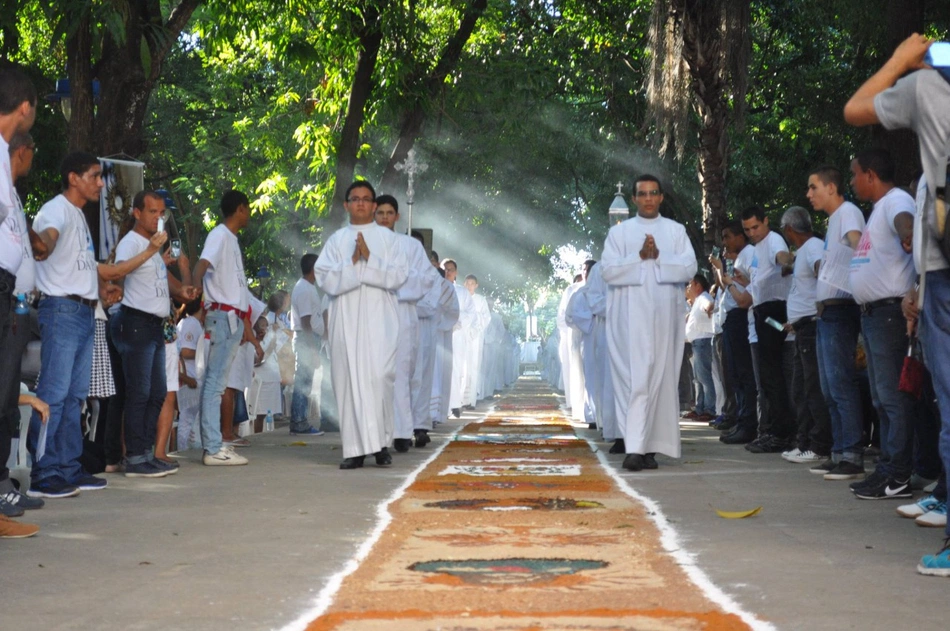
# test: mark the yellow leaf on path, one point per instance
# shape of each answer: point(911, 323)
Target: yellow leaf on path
point(298, 443)
point(738, 514)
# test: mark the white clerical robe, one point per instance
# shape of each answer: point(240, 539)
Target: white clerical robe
point(581, 319)
point(439, 298)
point(448, 318)
point(364, 327)
point(476, 341)
point(461, 346)
point(572, 371)
point(422, 277)
point(604, 404)
point(645, 333)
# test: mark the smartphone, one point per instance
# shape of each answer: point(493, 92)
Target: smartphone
point(716, 252)
point(175, 248)
point(775, 324)
point(938, 55)
point(161, 224)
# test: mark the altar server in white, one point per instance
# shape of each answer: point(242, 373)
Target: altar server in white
point(360, 269)
point(647, 260)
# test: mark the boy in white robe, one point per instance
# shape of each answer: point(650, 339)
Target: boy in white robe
point(647, 260)
point(360, 269)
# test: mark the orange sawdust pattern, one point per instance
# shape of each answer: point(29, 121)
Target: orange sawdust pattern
point(511, 569)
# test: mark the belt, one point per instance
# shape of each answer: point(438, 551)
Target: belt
point(83, 301)
point(868, 307)
point(836, 302)
point(217, 306)
point(7, 276)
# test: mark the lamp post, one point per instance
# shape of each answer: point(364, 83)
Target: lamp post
point(411, 167)
point(618, 210)
point(263, 277)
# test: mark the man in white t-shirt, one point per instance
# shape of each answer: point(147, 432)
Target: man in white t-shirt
point(736, 333)
point(70, 287)
point(13, 341)
point(813, 441)
point(882, 272)
point(839, 323)
point(918, 101)
point(220, 273)
point(307, 320)
point(769, 292)
point(138, 334)
point(700, 331)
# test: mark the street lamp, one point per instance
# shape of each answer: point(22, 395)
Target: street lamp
point(618, 210)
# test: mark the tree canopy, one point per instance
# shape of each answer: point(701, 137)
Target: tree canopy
point(527, 112)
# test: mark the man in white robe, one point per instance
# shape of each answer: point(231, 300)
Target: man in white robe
point(604, 404)
point(495, 345)
point(360, 269)
point(461, 334)
point(438, 312)
point(647, 260)
point(571, 366)
point(476, 341)
point(421, 279)
point(581, 319)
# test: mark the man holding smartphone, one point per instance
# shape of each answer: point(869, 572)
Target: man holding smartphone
point(918, 101)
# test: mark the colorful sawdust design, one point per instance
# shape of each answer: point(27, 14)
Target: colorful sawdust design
point(515, 526)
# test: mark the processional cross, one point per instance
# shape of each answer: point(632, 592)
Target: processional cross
point(411, 167)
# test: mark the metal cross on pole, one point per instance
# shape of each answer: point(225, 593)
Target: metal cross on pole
point(411, 167)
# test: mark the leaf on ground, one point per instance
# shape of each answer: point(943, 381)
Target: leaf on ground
point(738, 514)
point(298, 443)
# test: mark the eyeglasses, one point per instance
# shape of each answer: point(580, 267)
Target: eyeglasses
point(357, 200)
point(653, 193)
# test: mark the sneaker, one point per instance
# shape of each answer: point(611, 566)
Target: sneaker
point(88, 482)
point(823, 468)
point(53, 488)
point(238, 441)
point(8, 509)
point(147, 469)
point(918, 482)
point(875, 479)
point(805, 457)
point(918, 508)
point(791, 452)
point(891, 489)
point(936, 564)
point(170, 466)
point(10, 529)
point(936, 518)
point(767, 444)
point(845, 470)
point(224, 458)
point(310, 431)
point(22, 501)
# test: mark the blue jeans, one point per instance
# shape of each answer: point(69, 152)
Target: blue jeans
point(222, 348)
point(67, 329)
point(307, 354)
point(885, 341)
point(935, 335)
point(838, 328)
point(702, 371)
point(139, 338)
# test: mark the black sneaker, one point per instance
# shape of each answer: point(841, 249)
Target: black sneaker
point(147, 469)
point(875, 479)
point(87, 482)
point(19, 500)
point(823, 468)
point(845, 470)
point(890, 489)
point(53, 488)
point(767, 444)
point(9, 510)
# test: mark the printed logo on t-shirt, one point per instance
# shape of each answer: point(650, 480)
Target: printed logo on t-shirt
point(862, 253)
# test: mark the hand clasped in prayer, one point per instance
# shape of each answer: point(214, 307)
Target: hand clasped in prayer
point(649, 250)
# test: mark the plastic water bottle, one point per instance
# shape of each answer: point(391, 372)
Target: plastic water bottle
point(22, 307)
point(269, 422)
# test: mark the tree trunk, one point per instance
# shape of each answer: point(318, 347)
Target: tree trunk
point(371, 38)
point(415, 116)
point(127, 73)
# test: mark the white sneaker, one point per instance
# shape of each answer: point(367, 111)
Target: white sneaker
point(918, 508)
point(805, 457)
point(936, 518)
point(791, 453)
point(226, 457)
